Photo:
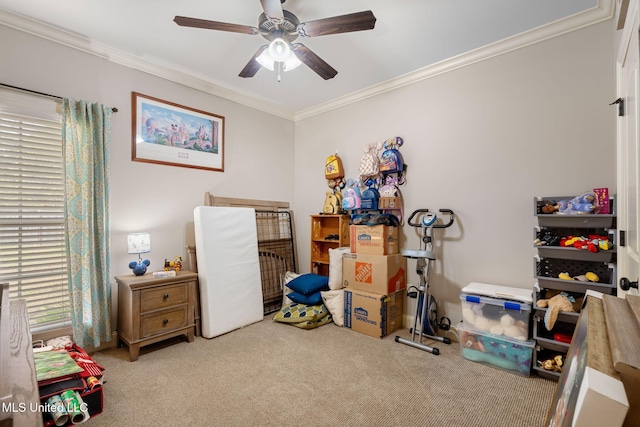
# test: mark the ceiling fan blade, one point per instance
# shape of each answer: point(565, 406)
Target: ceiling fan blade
point(252, 66)
point(272, 8)
point(214, 25)
point(338, 24)
point(313, 61)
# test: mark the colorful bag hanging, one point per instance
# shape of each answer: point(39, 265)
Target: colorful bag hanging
point(370, 163)
point(333, 167)
point(391, 159)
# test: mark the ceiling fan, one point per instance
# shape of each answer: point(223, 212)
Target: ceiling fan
point(281, 27)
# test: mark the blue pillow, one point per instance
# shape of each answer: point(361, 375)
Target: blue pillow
point(313, 299)
point(307, 284)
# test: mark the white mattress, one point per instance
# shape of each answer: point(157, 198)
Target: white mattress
point(228, 268)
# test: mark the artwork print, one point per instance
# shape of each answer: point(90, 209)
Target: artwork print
point(168, 133)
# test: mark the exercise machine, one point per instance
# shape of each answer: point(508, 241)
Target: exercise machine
point(425, 321)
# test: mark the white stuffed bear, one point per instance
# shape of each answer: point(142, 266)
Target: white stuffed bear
point(507, 325)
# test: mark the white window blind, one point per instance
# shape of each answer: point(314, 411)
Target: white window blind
point(32, 245)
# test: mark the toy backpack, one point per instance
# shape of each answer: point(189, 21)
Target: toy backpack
point(389, 195)
point(332, 203)
point(370, 198)
point(391, 159)
point(333, 168)
point(351, 197)
point(369, 163)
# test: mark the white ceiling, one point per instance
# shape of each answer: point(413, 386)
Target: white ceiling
point(410, 36)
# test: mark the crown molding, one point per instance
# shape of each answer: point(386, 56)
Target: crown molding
point(92, 47)
point(603, 11)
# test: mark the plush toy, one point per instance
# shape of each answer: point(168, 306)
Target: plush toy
point(554, 364)
point(585, 203)
point(336, 184)
point(589, 276)
point(469, 341)
point(516, 329)
point(556, 302)
point(594, 243)
point(547, 207)
point(481, 317)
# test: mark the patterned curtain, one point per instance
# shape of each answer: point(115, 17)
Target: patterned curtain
point(86, 138)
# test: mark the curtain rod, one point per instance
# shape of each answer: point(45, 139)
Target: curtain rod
point(114, 109)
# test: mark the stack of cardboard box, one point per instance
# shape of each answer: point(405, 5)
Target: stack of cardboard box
point(375, 278)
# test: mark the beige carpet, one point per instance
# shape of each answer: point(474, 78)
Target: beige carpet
point(273, 374)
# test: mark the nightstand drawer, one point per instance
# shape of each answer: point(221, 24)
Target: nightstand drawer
point(164, 321)
point(165, 297)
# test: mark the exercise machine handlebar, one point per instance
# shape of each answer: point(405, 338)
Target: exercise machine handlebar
point(448, 212)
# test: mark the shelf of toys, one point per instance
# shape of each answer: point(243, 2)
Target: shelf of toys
point(576, 252)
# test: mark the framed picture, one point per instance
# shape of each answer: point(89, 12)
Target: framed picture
point(171, 134)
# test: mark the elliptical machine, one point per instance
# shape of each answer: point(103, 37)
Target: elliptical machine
point(425, 322)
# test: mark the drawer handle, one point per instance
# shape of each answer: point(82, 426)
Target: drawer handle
point(164, 322)
point(165, 296)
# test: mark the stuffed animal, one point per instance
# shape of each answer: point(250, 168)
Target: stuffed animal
point(585, 203)
point(589, 276)
point(554, 364)
point(469, 341)
point(482, 318)
point(556, 302)
point(594, 243)
point(547, 207)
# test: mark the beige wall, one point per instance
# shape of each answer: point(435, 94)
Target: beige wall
point(482, 140)
point(149, 197)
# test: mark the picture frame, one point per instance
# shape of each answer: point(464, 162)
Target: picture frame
point(167, 133)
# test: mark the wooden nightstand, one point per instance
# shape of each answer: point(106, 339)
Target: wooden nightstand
point(154, 309)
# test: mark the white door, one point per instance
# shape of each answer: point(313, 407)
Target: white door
point(627, 155)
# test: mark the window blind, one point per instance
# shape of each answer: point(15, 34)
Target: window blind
point(32, 230)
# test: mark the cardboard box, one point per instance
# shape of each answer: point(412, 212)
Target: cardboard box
point(601, 400)
point(602, 200)
point(373, 314)
point(389, 203)
point(374, 239)
point(380, 274)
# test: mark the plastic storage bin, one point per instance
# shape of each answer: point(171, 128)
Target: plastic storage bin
point(500, 352)
point(505, 309)
point(496, 316)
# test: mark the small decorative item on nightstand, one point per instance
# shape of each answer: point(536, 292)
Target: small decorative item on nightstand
point(139, 243)
point(175, 265)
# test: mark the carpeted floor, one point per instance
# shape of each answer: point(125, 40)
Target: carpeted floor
point(273, 374)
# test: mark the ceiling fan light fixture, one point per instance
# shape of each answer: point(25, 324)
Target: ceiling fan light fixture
point(292, 62)
point(266, 60)
point(279, 50)
point(289, 62)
